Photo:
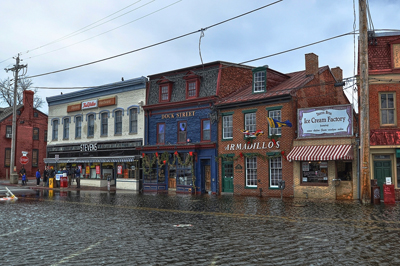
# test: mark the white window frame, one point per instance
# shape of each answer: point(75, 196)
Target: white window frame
point(227, 127)
point(275, 114)
point(251, 171)
point(275, 171)
point(386, 109)
point(250, 122)
point(259, 79)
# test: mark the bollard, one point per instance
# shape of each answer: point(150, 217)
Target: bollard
point(108, 183)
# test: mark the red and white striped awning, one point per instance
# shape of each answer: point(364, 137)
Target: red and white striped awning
point(321, 153)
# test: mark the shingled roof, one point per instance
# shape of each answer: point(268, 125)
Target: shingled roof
point(6, 112)
point(295, 81)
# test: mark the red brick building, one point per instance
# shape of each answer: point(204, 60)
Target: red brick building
point(254, 164)
point(384, 116)
point(31, 137)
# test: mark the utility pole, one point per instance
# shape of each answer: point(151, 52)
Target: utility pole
point(13, 174)
point(364, 104)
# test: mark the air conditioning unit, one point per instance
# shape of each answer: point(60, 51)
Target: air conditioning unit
point(9, 136)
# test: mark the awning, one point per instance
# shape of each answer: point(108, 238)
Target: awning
point(119, 159)
point(321, 153)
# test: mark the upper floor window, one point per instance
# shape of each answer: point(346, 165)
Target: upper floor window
point(259, 79)
point(250, 122)
point(7, 157)
point(387, 108)
point(182, 130)
point(118, 122)
point(55, 130)
point(45, 135)
point(35, 158)
point(161, 133)
point(90, 125)
point(78, 127)
point(165, 89)
point(192, 85)
point(35, 133)
point(104, 124)
point(275, 114)
point(133, 120)
point(9, 132)
point(35, 114)
point(66, 128)
point(227, 127)
point(205, 130)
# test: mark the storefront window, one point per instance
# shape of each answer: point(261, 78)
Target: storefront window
point(184, 175)
point(108, 170)
point(344, 170)
point(314, 173)
point(93, 173)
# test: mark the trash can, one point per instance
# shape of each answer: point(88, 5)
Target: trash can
point(375, 195)
point(51, 182)
point(64, 180)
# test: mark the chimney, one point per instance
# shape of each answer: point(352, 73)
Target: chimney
point(311, 64)
point(337, 73)
point(28, 99)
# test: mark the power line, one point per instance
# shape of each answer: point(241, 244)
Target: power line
point(156, 44)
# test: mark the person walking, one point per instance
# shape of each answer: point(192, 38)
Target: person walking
point(23, 177)
point(45, 176)
point(78, 177)
point(21, 173)
point(38, 176)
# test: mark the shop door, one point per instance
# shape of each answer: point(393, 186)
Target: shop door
point(207, 177)
point(382, 169)
point(227, 177)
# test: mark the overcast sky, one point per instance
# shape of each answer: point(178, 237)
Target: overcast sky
point(65, 33)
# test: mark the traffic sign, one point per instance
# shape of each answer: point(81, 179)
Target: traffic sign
point(24, 160)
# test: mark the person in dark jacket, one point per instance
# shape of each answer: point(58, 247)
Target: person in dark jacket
point(78, 177)
point(38, 176)
point(45, 176)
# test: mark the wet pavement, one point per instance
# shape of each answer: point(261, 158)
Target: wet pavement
point(54, 227)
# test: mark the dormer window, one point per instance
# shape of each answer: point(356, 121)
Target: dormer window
point(260, 79)
point(165, 89)
point(192, 85)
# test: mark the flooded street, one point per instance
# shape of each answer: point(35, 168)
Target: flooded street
point(120, 228)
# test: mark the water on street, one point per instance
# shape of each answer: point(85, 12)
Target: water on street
point(122, 228)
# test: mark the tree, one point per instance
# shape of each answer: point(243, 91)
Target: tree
point(7, 92)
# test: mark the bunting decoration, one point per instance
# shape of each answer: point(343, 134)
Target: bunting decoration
point(275, 123)
point(249, 136)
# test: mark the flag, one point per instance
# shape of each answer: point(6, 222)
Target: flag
point(275, 123)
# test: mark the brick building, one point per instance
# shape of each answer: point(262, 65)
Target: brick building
point(181, 129)
point(384, 116)
point(254, 164)
point(31, 137)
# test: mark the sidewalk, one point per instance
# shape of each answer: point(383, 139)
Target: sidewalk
point(31, 184)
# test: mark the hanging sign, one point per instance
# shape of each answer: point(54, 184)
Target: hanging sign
point(97, 169)
point(120, 169)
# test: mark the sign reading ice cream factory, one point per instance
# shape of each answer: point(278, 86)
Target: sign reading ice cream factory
point(327, 121)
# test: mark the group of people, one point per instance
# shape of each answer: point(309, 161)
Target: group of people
point(51, 173)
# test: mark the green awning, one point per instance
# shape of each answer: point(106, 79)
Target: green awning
point(397, 153)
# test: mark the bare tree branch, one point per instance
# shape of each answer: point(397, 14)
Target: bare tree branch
point(7, 92)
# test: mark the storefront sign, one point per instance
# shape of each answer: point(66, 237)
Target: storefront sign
point(74, 107)
point(252, 146)
point(120, 169)
point(177, 115)
point(97, 169)
point(89, 147)
point(305, 166)
point(107, 102)
point(87, 170)
point(89, 104)
point(328, 121)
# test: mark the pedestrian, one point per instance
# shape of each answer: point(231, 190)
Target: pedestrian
point(38, 176)
point(78, 177)
point(23, 177)
point(52, 175)
point(45, 176)
point(23, 172)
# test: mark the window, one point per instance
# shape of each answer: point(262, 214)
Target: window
point(275, 114)
point(387, 108)
point(66, 128)
point(35, 114)
point(35, 133)
point(275, 171)
point(192, 85)
point(182, 131)
point(205, 130)
point(9, 132)
point(251, 172)
point(227, 127)
point(104, 124)
point(118, 122)
point(344, 170)
point(314, 173)
point(78, 127)
point(191, 89)
point(55, 130)
point(7, 157)
point(133, 120)
point(250, 122)
point(164, 93)
point(165, 89)
point(259, 79)
point(90, 126)
point(184, 173)
point(45, 135)
point(161, 133)
point(35, 156)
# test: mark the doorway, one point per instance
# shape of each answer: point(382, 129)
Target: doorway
point(227, 176)
point(382, 169)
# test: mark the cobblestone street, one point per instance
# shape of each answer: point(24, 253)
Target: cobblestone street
point(120, 228)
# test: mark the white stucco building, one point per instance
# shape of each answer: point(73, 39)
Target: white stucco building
point(98, 130)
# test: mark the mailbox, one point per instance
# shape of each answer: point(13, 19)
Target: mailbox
point(281, 184)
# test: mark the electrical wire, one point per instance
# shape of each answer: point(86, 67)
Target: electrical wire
point(156, 44)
